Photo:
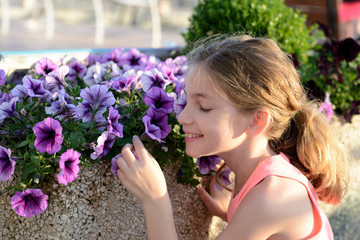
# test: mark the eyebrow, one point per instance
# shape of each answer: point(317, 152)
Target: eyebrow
point(203, 95)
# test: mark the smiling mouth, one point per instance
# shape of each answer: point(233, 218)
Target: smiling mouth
point(193, 135)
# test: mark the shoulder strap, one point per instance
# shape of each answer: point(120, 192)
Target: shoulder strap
point(278, 165)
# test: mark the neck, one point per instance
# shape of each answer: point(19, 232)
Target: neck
point(243, 160)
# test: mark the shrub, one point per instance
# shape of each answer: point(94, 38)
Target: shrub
point(334, 67)
point(259, 18)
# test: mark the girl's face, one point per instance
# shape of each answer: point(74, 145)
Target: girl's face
point(211, 123)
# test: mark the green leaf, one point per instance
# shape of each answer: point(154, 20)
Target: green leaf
point(22, 144)
point(35, 160)
point(85, 125)
point(76, 139)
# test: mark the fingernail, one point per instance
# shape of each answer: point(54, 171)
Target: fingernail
point(135, 136)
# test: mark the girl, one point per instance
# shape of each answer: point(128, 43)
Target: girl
point(246, 104)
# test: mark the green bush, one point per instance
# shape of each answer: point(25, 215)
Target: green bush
point(259, 18)
point(334, 67)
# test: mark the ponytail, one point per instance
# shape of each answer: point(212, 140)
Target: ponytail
point(312, 146)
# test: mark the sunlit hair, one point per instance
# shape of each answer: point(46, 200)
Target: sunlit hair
point(255, 73)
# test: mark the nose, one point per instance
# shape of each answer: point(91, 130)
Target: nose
point(184, 118)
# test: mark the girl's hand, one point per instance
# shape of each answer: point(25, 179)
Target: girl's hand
point(217, 201)
point(142, 177)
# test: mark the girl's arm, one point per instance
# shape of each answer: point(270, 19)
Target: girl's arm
point(144, 178)
point(159, 219)
point(217, 201)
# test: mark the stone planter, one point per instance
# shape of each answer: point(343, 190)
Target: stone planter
point(96, 206)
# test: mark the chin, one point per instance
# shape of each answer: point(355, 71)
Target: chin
point(192, 154)
point(197, 154)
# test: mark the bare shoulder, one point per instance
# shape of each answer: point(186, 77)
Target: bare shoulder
point(276, 208)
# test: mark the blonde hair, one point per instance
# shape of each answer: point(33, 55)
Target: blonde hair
point(255, 73)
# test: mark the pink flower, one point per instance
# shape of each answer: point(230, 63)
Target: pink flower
point(29, 202)
point(69, 163)
point(48, 136)
point(327, 107)
point(7, 164)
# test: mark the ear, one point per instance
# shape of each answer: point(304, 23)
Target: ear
point(259, 122)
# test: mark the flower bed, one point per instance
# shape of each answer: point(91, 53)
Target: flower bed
point(62, 114)
point(62, 123)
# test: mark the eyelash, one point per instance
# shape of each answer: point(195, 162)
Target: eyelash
point(204, 109)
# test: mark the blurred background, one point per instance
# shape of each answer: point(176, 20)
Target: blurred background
point(65, 24)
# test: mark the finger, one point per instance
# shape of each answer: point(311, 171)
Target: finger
point(140, 149)
point(122, 164)
point(121, 177)
point(208, 200)
point(127, 155)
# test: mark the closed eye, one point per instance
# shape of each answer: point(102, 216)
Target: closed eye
point(205, 109)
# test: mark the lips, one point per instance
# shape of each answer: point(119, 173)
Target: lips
point(193, 135)
point(190, 137)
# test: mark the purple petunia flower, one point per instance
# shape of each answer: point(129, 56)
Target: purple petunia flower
point(327, 107)
point(96, 99)
point(2, 77)
point(115, 55)
point(114, 126)
point(7, 164)
point(48, 136)
point(8, 109)
point(207, 163)
point(45, 66)
point(178, 65)
point(19, 91)
point(104, 145)
point(180, 103)
point(166, 71)
point(179, 85)
point(152, 62)
point(29, 202)
point(153, 78)
point(156, 124)
point(76, 69)
point(35, 88)
point(115, 71)
point(114, 166)
point(5, 97)
point(98, 96)
point(95, 74)
point(124, 82)
point(60, 109)
point(84, 112)
point(92, 59)
point(159, 99)
point(56, 79)
point(134, 59)
point(69, 163)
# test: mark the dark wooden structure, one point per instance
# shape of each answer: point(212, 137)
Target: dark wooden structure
point(334, 13)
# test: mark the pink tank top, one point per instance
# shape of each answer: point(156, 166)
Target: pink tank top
point(280, 165)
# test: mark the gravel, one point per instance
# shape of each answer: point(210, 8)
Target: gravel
point(96, 206)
